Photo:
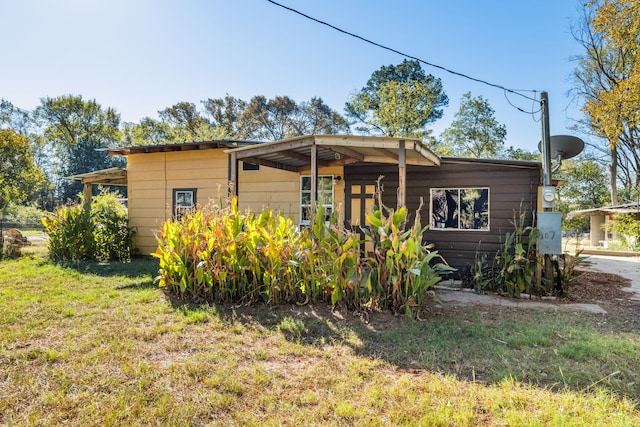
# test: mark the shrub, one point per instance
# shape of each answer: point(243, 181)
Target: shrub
point(98, 232)
point(628, 228)
point(403, 269)
point(24, 215)
point(222, 255)
point(513, 268)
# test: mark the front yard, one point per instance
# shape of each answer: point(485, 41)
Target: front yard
point(99, 344)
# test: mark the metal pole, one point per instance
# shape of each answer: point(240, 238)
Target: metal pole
point(547, 271)
point(546, 140)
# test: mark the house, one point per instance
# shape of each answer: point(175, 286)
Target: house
point(469, 204)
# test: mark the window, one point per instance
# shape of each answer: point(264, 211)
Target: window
point(460, 209)
point(250, 167)
point(184, 200)
point(325, 197)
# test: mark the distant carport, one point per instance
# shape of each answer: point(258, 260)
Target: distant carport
point(307, 153)
point(111, 176)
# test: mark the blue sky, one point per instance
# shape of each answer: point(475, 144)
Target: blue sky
point(141, 56)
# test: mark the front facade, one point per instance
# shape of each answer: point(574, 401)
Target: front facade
point(469, 204)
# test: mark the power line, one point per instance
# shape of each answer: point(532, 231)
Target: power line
point(505, 89)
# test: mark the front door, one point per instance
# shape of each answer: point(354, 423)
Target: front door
point(359, 201)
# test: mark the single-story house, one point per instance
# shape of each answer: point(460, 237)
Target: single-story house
point(601, 220)
point(469, 204)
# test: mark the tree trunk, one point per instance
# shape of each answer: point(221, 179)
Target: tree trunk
point(613, 169)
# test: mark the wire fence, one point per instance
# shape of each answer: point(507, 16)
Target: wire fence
point(7, 222)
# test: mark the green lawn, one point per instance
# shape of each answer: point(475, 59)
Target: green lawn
point(99, 344)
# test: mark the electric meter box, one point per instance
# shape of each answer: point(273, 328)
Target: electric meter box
point(550, 233)
point(548, 197)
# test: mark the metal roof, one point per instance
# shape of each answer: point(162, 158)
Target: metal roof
point(180, 146)
point(294, 154)
point(619, 209)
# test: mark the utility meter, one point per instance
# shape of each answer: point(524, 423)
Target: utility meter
point(548, 197)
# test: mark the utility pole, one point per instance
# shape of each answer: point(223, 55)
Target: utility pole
point(547, 269)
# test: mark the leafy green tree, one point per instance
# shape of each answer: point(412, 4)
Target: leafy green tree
point(398, 100)
point(189, 124)
point(20, 178)
point(514, 153)
point(586, 187)
point(77, 132)
point(474, 131)
point(265, 119)
point(148, 132)
point(228, 114)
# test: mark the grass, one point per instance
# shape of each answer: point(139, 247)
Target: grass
point(99, 344)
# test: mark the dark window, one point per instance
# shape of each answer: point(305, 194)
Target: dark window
point(460, 209)
point(250, 167)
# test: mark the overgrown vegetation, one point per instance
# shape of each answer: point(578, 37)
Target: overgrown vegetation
point(513, 269)
point(95, 232)
point(98, 344)
point(223, 255)
point(627, 227)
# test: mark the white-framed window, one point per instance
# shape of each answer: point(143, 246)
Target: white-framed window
point(460, 209)
point(184, 200)
point(325, 197)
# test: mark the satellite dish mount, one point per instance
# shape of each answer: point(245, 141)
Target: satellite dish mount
point(563, 147)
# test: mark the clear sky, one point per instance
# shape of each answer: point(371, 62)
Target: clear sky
point(141, 56)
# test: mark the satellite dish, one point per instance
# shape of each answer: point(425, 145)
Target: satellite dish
point(564, 146)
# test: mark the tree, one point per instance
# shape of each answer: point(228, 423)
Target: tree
point(398, 100)
point(474, 131)
point(148, 132)
point(13, 118)
point(78, 131)
point(514, 153)
point(20, 178)
point(189, 124)
point(586, 187)
point(265, 119)
point(607, 79)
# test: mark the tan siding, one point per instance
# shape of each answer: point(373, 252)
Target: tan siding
point(280, 190)
point(152, 178)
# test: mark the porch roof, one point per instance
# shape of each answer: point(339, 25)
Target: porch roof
point(294, 154)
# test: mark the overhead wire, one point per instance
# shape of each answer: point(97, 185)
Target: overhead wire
point(503, 88)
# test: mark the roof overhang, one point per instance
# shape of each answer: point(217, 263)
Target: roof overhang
point(112, 176)
point(294, 154)
point(180, 146)
point(609, 210)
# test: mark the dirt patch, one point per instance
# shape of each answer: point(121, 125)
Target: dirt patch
point(595, 287)
point(606, 290)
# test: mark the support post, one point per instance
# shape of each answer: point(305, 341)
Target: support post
point(402, 175)
point(87, 192)
point(314, 180)
point(233, 175)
